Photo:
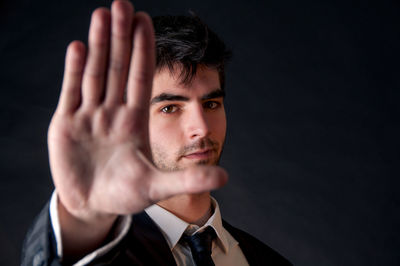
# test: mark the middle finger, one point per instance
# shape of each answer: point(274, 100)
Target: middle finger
point(94, 73)
point(121, 44)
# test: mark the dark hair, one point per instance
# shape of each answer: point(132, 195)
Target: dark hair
point(187, 42)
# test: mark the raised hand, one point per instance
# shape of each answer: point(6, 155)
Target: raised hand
point(98, 137)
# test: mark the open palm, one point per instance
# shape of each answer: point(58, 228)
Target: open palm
point(98, 137)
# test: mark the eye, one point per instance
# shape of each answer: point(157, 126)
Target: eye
point(211, 105)
point(169, 109)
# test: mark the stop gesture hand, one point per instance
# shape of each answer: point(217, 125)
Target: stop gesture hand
point(98, 139)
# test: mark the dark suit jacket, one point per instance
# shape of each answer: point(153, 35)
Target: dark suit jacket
point(144, 244)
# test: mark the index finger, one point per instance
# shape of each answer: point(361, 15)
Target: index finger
point(142, 64)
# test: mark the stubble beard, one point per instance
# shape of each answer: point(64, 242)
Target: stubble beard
point(162, 161)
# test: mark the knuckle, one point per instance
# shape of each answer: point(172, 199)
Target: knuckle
point(195, 178)
point(201, 177)
point(142, 77)
point(81, 124)
point(121, 27)
point(118, 65)
point(101, 119)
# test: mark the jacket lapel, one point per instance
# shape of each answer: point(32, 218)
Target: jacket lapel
point(146, 237)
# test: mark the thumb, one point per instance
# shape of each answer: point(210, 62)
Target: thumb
point(189, 181)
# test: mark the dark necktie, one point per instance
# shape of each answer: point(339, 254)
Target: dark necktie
point(200, 245)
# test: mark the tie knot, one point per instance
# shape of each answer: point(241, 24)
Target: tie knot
point(200, 244)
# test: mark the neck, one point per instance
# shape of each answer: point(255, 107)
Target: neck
point(192, 208)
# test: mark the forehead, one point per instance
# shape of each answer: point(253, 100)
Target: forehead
point(205, 81)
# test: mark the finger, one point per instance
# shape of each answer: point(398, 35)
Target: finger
point(71, 88)
point(121, 42)
point(190, 181)
point(94, 73)
point(142, 63)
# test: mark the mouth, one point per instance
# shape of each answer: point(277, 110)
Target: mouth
point(202, 154)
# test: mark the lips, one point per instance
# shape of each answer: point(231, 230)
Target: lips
point(202, 150)
point(199, 154)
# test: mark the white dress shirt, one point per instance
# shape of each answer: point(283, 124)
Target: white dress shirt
point(225, 249)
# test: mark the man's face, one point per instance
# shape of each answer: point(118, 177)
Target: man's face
point(187, 122)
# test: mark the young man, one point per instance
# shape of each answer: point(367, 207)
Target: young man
point(135, 133)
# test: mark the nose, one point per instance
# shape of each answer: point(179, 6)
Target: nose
point(196, 123)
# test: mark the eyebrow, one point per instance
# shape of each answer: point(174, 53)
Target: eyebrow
point(214, 94)
point(174, 97)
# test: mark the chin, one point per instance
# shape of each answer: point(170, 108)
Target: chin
point(208, 162)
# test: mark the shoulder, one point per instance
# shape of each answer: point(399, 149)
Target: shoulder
point(255, 251)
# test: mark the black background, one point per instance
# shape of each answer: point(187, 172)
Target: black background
point(313, 124)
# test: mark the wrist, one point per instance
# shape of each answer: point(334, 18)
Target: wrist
point(83, 231)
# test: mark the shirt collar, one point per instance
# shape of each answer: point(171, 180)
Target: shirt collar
point(173, 227)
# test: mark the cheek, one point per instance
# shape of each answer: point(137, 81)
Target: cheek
point(164, 142)
point(163, 132)
point(218, 125)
